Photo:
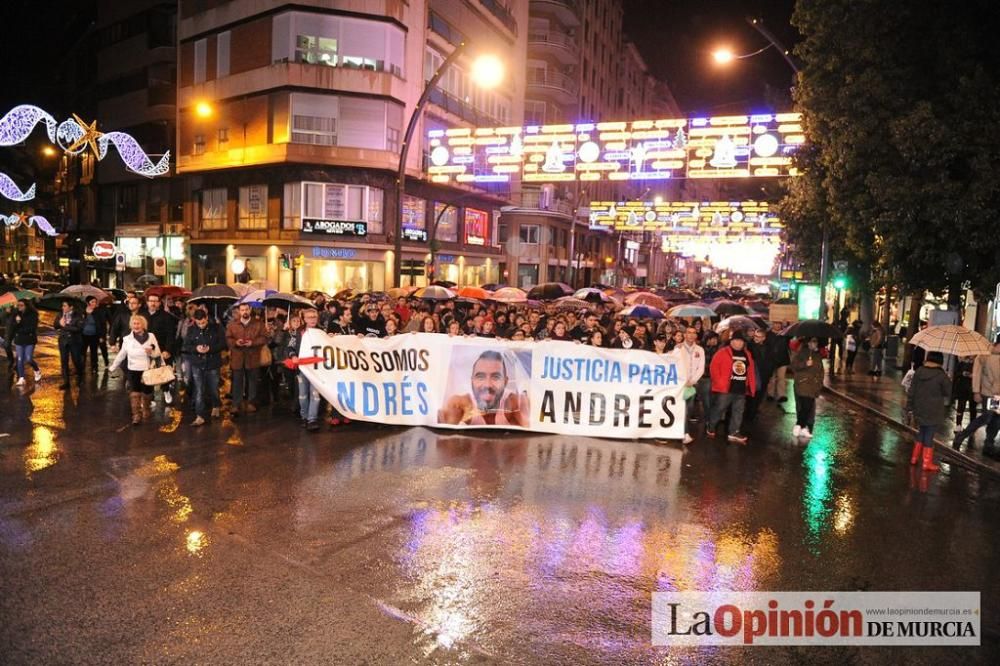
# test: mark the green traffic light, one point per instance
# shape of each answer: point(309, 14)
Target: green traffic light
point(840, 283)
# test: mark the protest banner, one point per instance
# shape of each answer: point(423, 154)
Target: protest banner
point(432, 379)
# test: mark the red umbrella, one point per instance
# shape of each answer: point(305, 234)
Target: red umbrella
point(474, 292)
point(165, 290)
point(647, 298)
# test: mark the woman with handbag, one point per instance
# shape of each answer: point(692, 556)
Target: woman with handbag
point(137, 351)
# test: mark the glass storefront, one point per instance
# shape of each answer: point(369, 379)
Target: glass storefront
point(333, 275)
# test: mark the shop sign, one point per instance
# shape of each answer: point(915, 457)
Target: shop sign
point(334, 252)
point(446, 258)
point(414, 219)
point(419, 235)
point(104, 250)
point(476, 226)
point(334, 227)
point(64, 262)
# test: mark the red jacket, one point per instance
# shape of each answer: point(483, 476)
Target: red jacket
point(722, 368)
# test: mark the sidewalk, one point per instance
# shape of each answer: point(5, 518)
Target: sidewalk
point(887, 399)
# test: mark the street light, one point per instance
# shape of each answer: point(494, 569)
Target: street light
point(48, 151)
point(487, 72)
point(203, 109)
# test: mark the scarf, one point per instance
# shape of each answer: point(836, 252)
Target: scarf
point(141, 337)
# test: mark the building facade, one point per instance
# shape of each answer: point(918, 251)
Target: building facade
point(289, 126)
point(580, 68)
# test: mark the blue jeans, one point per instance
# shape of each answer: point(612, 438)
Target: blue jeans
point(206, 390)
point(925, 435)
point(309, 399)
point(25, 354)
point(723, 401)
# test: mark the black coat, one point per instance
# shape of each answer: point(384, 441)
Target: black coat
point(119, 325)
point(163, 325)
point(25, 331)
point(929, 392)
point(101, 319)
point(777, 349)
point(72, 331)
point(213, 337)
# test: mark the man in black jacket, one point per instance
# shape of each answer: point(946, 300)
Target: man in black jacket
point(69, 324)
point(163, 325)
point(95, 332)
point(203, 345)
point(777, 346)
point(120, 326)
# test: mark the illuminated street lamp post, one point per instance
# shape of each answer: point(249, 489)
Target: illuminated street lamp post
point(725, 56)
point(487, 72)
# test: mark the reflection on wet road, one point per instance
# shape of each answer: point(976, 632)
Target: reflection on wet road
point(255, 542)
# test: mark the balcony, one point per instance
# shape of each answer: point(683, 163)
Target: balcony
point(566, 12)
point(553, 85)
point(459, 108)
point(501, 13)
point(555, 43)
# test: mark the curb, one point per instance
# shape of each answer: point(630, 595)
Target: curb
point(943, 449)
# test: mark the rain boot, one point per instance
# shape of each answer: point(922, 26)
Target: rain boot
point(915, 456)
point(147, 410)
point(135, 400)
point(929, 465)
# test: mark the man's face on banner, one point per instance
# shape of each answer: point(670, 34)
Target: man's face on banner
point(488, 383)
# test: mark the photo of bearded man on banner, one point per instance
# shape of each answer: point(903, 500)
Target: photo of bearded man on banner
point(489, 394)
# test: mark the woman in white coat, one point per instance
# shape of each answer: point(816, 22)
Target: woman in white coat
point(137, 350)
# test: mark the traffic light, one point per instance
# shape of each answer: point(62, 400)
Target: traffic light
point(839, 282)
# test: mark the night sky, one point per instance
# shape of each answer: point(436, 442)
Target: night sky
point(676, 38)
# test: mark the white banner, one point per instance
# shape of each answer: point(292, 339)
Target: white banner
point(431, 379)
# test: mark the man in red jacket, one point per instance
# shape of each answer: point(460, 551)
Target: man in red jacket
point(733, 380)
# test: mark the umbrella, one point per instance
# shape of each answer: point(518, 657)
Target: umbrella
point(213, 292)
point(593, 295)
point(279, 298)
point(447, 284)
point(642, 312)
point(466, 300)
point(344, 293)
point(728, 308)
point(147, 280)
point(572, 303)
point(12, 297)
point(509, 295)
point(85, 291)
point(812, 328)
point(53, 302)
point(256, 297)
point(550, 291)
point(242, 289)
point(169, 290)
point(759, 306)
point(646, 298)
point(401, 292)
point(493, 286)
point(699, 310)
point(951, 339)
point(474, 292)
point(434, 293)
point(739, 323)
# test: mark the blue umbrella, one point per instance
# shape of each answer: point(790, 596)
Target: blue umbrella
point(642, 312)
point(256, 297)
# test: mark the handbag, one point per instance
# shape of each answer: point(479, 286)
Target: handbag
point(265, 356)
point(158, 374)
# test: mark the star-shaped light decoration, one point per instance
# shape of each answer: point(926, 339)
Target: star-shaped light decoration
point(89, 138)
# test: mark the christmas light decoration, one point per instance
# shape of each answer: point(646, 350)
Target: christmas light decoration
point(10, 190)
point(74, 136)
point(15, 220)
point(19, 122)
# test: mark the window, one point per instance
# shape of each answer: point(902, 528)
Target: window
point(291, 206)
point(527, 275)
point(200, 49)
point(392, 139)
point(337, 41)
point(447, 222)
point(375, 204)
point(128, 204)
point(213, 209)
point(223, 138)
point(199, 144)
point(316, 130)
point(352, 122)
point(253, 207)
point(502, 233)
point(153, 201)
point(529, 234)
point(316, 50)
point(222, 55)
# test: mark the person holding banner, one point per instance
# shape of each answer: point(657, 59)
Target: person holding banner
point(733, 380)
point(494, 399)
point(309, 397)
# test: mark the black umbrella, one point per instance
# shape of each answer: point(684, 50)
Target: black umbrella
point(728, 308)
point(812, 328)
point(53, 302)
point(213, 292)
point(549, 291)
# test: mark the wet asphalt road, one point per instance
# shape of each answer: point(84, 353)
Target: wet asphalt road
point(255, 542)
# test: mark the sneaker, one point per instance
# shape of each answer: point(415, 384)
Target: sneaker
point(215, 412)
point(38, 375)
point(688, 438)
point(198, 421)
point(738, 438)
point(805, 433)
point(20, 382)
point(797, 430)
point(168, 398)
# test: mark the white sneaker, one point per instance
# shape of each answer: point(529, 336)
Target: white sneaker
point(215, 412)
point(805, 433)
point(20, 381)
point(168, 398)
point(688, 438)
point(797, 430)
point(38, 375)
point(198, 421)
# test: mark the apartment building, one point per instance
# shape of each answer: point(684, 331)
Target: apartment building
point(580, 68)
point(289, 126)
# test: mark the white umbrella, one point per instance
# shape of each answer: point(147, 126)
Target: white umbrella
point(951, 339)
